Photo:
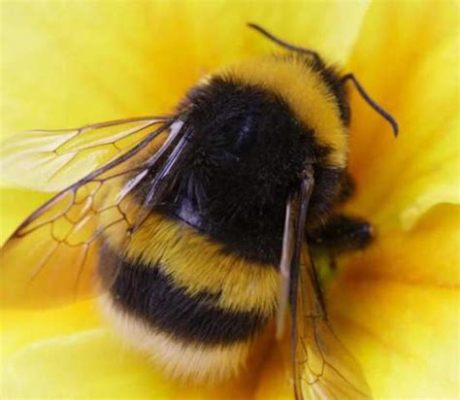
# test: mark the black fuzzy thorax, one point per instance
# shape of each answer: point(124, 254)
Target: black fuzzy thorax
point(245, 155)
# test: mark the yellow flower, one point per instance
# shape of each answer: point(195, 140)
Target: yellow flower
point(395, 305)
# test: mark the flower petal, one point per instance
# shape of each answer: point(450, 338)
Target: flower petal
point(409, 61)
point(75, 63)
point(397, 306)
point(15, 205)
point(63, 359)
point(68, 352)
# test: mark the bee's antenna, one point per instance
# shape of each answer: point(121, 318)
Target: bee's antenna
point(372, 103)
point(317, 59)
point(285, 44)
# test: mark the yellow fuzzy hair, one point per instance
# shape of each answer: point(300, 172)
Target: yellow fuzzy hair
point(306, 93)
point(196, 263)
point(178, 359)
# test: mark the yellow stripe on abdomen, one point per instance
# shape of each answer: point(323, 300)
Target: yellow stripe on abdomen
point(196, 263)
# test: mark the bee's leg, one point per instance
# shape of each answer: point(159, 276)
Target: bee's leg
point(347, 188)
point(341, 234)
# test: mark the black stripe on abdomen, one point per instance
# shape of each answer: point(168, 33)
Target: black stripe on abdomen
point(149, 294)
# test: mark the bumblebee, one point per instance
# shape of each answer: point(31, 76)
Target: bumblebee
point(197, 229)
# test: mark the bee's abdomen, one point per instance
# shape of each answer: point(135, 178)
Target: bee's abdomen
point(146, 292)
point(176, 295)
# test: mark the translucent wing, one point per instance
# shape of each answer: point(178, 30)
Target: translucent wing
point(51, 257)
point(52, 160)
point(323, 367)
